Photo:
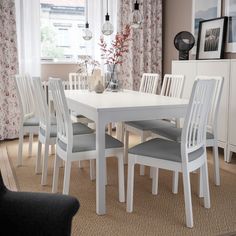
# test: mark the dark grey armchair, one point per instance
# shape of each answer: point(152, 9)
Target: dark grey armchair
point(26, 213)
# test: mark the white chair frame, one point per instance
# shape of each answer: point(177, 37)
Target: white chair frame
point(149, 83)
point(172, 86)
point(212, 128)
point(193, 138)
point(65, 134)
point(78, 81)
point(27, 111)
point(45, 125)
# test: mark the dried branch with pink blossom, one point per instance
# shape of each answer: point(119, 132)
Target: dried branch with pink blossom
point(119, 46)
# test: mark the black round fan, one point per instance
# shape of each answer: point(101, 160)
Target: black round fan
point(184, 41)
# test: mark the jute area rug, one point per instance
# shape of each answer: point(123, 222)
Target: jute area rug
point(162, 214)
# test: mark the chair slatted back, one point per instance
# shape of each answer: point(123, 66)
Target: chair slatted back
point(64, 124)
point(149, 83)
point(172, 86)
point(78, 81)
point(194, 129)
point(42, 106)
point(214, 111)
point(24, 91)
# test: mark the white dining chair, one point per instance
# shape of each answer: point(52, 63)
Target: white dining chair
point(28, 120)
point(149, 83)
point(171, 132)
point(78, 147)
point(185, 157)
point(47, 134)
point(172, 86)
point(78, 81)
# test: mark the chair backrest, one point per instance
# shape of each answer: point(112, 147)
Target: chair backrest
point(42, 106)
point(172, 85)
point(194, 129)
point(214, 110)
point(24, 93)
point(149, 83)
point(64, 124)
point(78, 81)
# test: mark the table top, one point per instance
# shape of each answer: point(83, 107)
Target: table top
point(125, 100)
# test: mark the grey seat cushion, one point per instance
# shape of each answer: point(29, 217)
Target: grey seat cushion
point(32, 121)
point(149, 124)
point(169, 131)
point(163, 149)
point(78, 128)
point(87, 142)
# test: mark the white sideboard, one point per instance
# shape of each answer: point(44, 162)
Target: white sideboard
point(227, 110)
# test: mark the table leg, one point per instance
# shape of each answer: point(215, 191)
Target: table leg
point(100, 167)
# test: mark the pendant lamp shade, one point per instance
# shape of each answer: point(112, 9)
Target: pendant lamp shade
point(87, 34)
point(107, 28)
point(136, 17)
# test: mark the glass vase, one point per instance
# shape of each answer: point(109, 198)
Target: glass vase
point(113, 83)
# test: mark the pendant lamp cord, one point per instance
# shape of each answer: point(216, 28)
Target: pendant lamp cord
point(86, 11)
point(107, 6)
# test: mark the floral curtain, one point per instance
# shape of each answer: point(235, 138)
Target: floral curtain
point(9, 112)
point(145, 53)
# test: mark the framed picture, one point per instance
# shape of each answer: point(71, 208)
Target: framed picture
point(230, 11)
point(203, 10)
point(211, 38)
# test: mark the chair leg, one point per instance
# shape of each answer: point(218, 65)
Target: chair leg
point(105, 171)
point(225, 154)
point(206, 192)
point(56, 174)
point(92, 169)
point(155, 172)
point(200, 184)
point(175, 182)
point(66, 183)
point(45, 165)
point(229, 156)
point(20, 148)
point(110, 128)
point(216, 164)
point(126, 146)
point(52, 149)
point(38, 159)
point(130, 184)
point(187, 199)
point(120, 131)
point(31, 139)
point(121, 183)
point(142, 167)
point(80, 165)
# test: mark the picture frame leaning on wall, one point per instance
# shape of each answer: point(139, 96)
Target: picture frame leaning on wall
point(211, 38)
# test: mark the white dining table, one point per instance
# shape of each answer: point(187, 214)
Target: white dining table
point(116, 107)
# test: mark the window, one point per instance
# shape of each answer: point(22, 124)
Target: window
point(62, 24)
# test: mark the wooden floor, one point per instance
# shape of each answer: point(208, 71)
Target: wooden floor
point(9, 180)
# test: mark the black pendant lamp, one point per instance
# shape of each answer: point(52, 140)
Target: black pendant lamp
point(87, 34)
point(107, 28)
point(136, 19)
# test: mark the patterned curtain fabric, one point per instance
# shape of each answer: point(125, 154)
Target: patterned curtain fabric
point(9, 112)
point(145, 54)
